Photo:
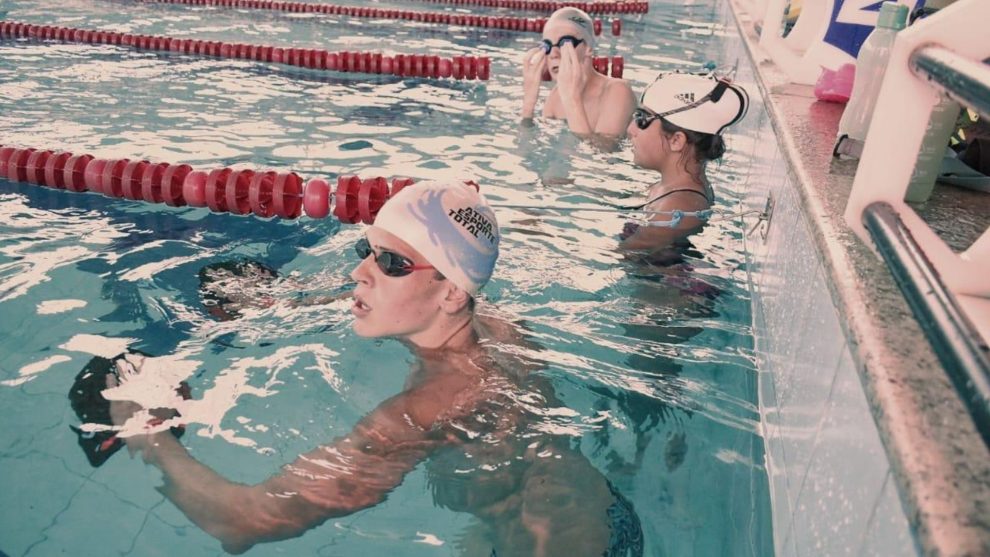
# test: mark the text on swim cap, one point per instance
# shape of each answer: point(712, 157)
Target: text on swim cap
point(474, 222)
point(579, 20)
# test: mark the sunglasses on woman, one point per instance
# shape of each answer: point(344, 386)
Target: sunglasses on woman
point(644, 118)
point(392, 264)
point(548, 46)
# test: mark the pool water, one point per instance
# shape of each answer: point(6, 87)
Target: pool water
point(653, 373)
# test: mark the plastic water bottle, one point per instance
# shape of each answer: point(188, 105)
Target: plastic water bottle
point(871, 64)
point(945, 113)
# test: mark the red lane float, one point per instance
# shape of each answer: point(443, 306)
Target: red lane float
point(403, 65)
point(601, 65)
point(240, 191)
point(529, 25)
point(593, 8)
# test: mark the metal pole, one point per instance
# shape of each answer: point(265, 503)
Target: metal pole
point(959, 346)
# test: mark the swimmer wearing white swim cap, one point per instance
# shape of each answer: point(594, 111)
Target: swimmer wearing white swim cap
point(593, 104)
point(432, 247)
point(470, 416)
point(677, 128)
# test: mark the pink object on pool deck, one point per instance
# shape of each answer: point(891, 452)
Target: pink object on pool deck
point(836, 85)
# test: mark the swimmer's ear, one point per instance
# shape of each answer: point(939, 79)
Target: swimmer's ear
point(455, 299)
point(677, 141)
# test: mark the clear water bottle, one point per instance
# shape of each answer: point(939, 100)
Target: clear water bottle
point(945, 113)
point(871, 65)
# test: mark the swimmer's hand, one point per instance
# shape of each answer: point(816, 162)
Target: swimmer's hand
point(571, 77)
point(320, 300)
point(121, 411)
point(534, 63)
point(628, 230)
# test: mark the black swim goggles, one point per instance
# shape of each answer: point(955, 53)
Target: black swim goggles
point(392, 264)
point(548, 46)
point(644, 117)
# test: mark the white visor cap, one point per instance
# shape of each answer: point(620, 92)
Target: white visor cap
point(675, 90)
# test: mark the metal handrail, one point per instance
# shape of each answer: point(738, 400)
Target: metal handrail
point(958, 345)
point(963, 80)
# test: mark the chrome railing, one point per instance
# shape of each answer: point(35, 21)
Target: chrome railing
point(948, 292)
point(958, 345)
point(963, 80)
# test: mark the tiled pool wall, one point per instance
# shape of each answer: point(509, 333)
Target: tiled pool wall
point(831, 485)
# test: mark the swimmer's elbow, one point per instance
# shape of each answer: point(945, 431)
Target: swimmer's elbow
point(278, 517)
point(634, 245)
point(647, 241)
point(607, 142)
point(263, 517)
point(235, 547)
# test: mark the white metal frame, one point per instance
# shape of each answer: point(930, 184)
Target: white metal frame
point(795, 53)
point(893, 142)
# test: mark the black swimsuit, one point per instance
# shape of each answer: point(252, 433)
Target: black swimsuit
point(665, 194)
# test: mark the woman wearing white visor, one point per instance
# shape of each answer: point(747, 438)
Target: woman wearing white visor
point(593, 104)
point(675, 130)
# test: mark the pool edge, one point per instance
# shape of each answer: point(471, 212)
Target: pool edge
point(939, 463)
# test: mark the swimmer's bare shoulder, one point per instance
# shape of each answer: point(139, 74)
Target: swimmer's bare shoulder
point(511, 347)
point(617, 106)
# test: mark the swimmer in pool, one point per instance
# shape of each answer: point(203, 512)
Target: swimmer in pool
point(593, 104)
point(468, 412)
point(676, 129)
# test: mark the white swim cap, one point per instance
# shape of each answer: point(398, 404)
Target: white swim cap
point(577, 20)
point(697, 102)
point(451, 224)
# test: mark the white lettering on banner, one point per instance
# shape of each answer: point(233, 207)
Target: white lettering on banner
point(854, 12)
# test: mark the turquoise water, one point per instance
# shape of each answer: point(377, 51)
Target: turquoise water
point(654, 379)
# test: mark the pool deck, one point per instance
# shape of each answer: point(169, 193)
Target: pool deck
point(940, 463)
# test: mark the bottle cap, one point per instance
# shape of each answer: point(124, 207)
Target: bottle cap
point(893, 16)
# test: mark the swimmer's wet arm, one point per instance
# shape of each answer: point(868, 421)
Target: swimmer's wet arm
point(577, 118)
point(534, 62)
point(655, 237)
point(571, 81)
point(650, 237)
point(320, 300)
point(353, 473)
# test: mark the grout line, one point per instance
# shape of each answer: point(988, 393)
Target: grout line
point(873, 512)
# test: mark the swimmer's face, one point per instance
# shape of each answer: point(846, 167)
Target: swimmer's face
point(553, 33)
point(646, 144)
point(404, 307)
point(652, 147)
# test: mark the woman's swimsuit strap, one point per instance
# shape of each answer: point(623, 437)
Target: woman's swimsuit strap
point(665, 194)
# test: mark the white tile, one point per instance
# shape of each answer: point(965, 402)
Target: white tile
point(888, 532)
point(845, 476)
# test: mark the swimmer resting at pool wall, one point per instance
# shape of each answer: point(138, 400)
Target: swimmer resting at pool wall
point(593, 104)
point(676, 129)
point(432, 247)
